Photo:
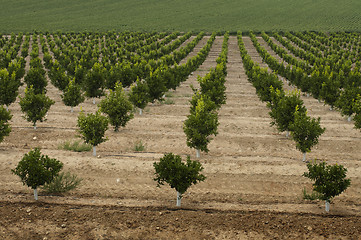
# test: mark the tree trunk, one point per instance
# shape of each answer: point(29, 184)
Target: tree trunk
point(327, 205)
point(287, 134)
point(140, 111)
point(94, 151)
point(304, 157)
point(36, 194)
point(94, 101)
point(34, 125)
point(349, 118)
point(7, 108)
point(179, 199)
point(308, 95)
point(71, 109)
point(331, 108)
point(198, 153)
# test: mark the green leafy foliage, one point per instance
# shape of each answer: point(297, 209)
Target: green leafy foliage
point(58, 77)
point(283, 112)
point(139, 94)
point(92, 127)
point(117, 106)
point(75, 146)
point(357, 109)
point(330, 91)
point(35, 169)
point(17, 67)
point(305, 131)
point(8, 87)
point(94, 81)
point(35, 106)
point(157, 84)
point(347, 99)
point(72, 95)
point(5, 128)
point(36, 78)
point(212, 84)
point(62, 183)
point(201, 123)
point(123, 73)
point(330, 180)
point(180, 176)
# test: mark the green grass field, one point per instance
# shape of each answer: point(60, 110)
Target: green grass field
point(179, 15)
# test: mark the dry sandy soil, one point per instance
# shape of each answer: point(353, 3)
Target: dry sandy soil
point(254, 179)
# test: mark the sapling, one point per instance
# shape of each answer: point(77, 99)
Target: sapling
point(36, 170)
point(117, 106)
point(330, 92)
point(156, 82)
point(36, 78)
point(357, 108)
point(72, 95)
point(347, 99)
point(180, 176)
point(94, 82)
point(35, 106)
point(201, 123)
point(139, 95)
point(305, 132)
point(92, 128)
point(212, 84)
point(283, 111)
point(330, 180)
point(8, 88)
point(5, 128)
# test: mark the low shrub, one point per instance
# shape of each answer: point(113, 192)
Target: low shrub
point(62, 183)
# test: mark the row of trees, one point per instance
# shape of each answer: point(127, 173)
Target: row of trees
point(333, 77)
point(287, 110)
point(289, 114)
point(202, 122)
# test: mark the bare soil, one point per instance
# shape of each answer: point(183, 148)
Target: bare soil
point(254, 179)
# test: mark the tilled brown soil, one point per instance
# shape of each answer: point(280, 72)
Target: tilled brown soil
point(71, 221)
point(254, 179)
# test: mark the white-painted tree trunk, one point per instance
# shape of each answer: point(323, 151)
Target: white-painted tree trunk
point(327, 205)
point(287, 134)
point(36, 194)
point(94, 151)
point(140, 111)
point(308, 95)
point(198, 153)
point(304, 157)
point(34, 126)
point(94, 101)
point(349, 118)
point(179, 199)
point(7, 108)
point(71, 109)
point(331, 108)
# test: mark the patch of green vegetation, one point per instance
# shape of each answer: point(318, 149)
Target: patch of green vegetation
point(75, 146)
point(311, 196)
point(168, 101)
point(179, 15)
point(168, 94)
point(139, 146)
point(62, 183)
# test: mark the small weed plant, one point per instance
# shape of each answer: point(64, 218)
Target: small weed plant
point(76, 146)
point(311, 196)
point(62, 183)
point(139, 146)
